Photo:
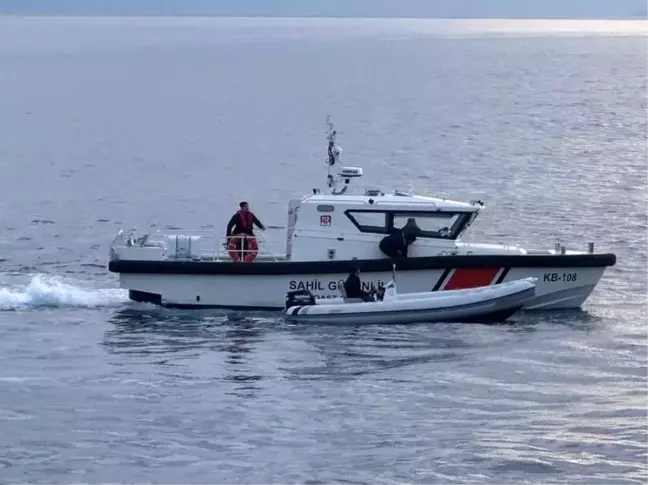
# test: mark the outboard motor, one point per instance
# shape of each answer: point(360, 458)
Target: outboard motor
point(299, 298)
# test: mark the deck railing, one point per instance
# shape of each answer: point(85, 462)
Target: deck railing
point(199, 245)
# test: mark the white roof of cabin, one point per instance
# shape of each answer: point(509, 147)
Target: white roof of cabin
point(392, 201)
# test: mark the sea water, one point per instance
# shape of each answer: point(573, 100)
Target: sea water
point(112, 123)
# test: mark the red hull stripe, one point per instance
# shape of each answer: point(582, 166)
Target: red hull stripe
point(471, 278)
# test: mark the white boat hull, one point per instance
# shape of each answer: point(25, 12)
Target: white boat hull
point(556, 288)
point(485, 305)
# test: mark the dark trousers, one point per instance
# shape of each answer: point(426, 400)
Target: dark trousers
point(364, 296)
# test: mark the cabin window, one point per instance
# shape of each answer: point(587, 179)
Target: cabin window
point(369, 221)
point(325, 208)
point(438, 225)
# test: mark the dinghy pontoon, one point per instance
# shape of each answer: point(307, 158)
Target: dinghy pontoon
point(485, 304)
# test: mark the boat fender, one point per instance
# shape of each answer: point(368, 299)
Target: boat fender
point(234, 248)
point(299, 298)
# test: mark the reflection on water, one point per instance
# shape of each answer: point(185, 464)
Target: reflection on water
point(234, 342)
point(239, 346)
point(174, 337)
point(349, 352)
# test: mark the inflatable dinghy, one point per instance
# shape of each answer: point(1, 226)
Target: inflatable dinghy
point(487, 304)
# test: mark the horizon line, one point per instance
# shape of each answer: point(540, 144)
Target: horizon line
point(314, 16)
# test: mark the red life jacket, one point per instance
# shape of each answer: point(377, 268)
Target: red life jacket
point(246, 219)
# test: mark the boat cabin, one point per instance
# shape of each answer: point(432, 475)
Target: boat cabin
point(341, 226)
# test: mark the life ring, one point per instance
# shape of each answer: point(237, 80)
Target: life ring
point(234, 248)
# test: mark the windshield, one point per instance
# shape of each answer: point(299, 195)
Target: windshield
point(444, 225)
point(438, 224)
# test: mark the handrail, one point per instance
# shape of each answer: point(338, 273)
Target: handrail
point(224, 241)
point(194, 244)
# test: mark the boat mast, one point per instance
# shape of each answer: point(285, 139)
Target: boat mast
point(344, 174)
point(334, 152)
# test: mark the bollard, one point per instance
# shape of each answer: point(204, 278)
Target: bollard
point(562, 249)
point(557, 247)
point(590, 247)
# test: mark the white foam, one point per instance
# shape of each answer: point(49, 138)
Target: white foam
point(52, 291)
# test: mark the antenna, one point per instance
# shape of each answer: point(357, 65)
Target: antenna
point(334, 151)
point(330, 161)
point(330, 136)
point(330, 133)
point(345, 174)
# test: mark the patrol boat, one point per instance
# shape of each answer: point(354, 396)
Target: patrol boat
point(329, 233)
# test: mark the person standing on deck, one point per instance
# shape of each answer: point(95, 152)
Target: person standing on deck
point(242, 222)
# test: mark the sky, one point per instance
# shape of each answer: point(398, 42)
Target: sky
point(337, 8)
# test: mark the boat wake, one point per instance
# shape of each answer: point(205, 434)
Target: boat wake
point(52, 292)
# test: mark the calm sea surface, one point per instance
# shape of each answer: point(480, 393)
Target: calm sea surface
point(111, 123)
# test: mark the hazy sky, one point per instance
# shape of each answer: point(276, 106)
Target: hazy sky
point(341, 8)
